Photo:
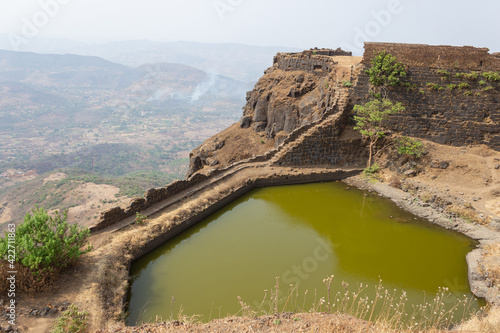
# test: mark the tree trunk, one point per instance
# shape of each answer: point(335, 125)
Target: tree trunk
point(372, 143)
point(370, 158)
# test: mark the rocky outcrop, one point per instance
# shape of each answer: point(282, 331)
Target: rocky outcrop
point(298, 90)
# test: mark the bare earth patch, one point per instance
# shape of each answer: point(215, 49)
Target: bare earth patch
point(92, 199)
point(55, 177)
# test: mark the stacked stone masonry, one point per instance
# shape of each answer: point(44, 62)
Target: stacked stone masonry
point(443, 56)
point(444, 115)
point(151, 197)
point(307, 62)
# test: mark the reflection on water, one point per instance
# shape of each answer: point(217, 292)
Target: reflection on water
point(301, 233)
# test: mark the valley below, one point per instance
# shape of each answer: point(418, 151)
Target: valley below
point(82, 133)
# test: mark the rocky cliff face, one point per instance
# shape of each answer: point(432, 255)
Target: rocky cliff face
point(299, 89)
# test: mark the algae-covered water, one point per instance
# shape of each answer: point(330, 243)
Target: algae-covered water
point(301, 234)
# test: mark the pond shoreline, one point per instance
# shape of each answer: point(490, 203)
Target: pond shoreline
point(479, 286)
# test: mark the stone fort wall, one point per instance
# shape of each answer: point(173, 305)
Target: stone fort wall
point(436, 108)
point(442, 56)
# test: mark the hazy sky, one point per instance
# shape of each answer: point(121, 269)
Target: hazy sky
point(295, 23)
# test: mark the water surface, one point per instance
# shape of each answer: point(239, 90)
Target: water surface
point(302, 234)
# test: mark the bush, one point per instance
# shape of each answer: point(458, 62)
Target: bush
point(71, 321)
point(347, 84)
point(408, 146)
point(443, 72)
point(491, 76)
point(46, 244)
point(371, 170)
point(468, 76)
point(385, 70)
point(433, 86)
point(139, 218)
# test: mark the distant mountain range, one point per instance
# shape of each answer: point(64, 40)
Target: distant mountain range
point(31, 78)
point(237, 61)
point(61, 103)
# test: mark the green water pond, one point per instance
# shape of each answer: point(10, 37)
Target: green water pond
point(301, 234)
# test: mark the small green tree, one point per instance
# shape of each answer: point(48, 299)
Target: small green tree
point(385, 71)
point(45, 243)
point(369, 118)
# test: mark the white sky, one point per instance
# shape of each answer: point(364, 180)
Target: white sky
point(294, 23)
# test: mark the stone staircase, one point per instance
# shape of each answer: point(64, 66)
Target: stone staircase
point(332, 124)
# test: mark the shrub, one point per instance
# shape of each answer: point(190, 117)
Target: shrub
point(385, 70)
point(491, 76)
point(408, 146)
point(71, 321)
point(46, 244)
point(139, 218)
point(347, 84)
point(433, 86)
point(443, 72)
point(371, 170)
point(482, 83)
point(468, 76)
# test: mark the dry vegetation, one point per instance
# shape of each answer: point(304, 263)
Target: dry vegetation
point(491, 266)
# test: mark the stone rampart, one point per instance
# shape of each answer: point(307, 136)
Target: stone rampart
point(442, 56)
point(152, 196)
point(442, 105)
point(306, 61)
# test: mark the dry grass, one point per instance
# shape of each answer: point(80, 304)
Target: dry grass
point(489, 323)
point(491, 263)
point(492, 250)
point(346, 311)
point(465, 212)
point(395, 181)
point(427, 197)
